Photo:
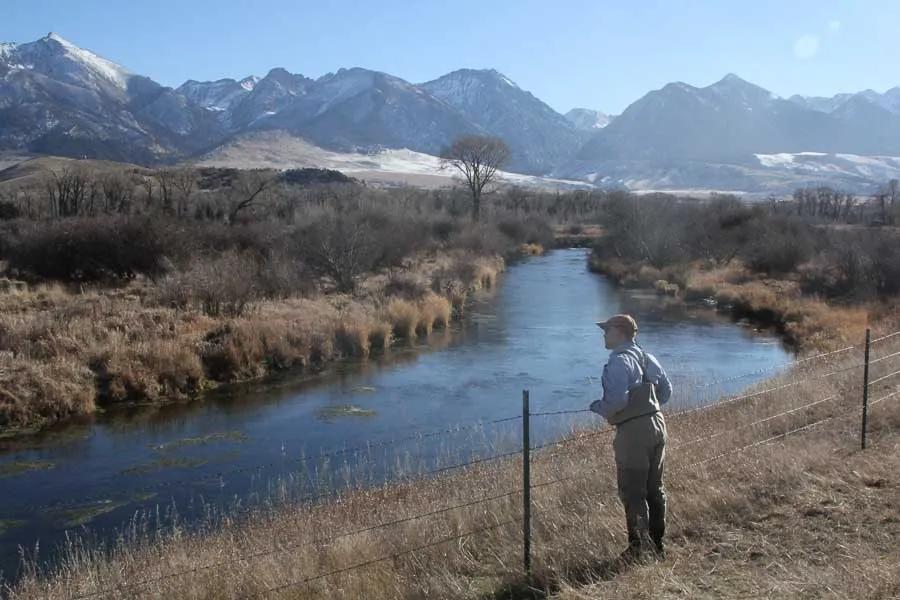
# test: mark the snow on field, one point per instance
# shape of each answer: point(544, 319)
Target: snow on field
point(280, 151)
point(873, 167)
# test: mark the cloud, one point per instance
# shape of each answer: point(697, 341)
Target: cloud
point(806, 46)
point(834, 26)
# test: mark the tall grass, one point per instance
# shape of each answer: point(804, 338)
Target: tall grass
point(63, 352)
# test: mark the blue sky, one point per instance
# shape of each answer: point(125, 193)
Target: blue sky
point(568, 53)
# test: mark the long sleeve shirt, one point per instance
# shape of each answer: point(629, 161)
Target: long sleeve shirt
point(624, 371)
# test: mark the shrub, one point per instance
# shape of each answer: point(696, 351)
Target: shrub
point(779, 247)
point(224, 285)
point(86, 249)
point(9, 211)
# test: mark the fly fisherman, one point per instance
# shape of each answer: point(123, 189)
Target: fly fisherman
point(634, 387)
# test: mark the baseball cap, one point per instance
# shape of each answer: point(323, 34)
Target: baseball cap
point(624, 322)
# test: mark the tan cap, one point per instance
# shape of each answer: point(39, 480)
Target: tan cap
point(623, 322)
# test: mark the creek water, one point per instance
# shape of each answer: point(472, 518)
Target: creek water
point(265, 440)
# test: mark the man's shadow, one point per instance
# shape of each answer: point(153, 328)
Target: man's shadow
point(538, 588)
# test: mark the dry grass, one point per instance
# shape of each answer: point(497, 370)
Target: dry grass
point(809, 323)
point(808, 515)
point(62, 353)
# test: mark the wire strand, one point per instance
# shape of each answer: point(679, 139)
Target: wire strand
point(880, 379)
point(383, 558)
point(885, 337)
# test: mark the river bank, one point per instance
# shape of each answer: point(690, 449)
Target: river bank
point(786, 485)
point(806, 322)
point(67, 354)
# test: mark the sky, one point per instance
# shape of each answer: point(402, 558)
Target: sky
point(593, 54)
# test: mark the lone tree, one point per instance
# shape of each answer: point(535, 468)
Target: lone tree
point(478, 158)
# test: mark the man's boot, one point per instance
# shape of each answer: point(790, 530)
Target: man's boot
point(659, 546)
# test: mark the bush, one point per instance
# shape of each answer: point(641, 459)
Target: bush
point(527, 231)
point(91, 249)
point(779, 247)
point(342, 247)
point(224, 285)
point(9, 211)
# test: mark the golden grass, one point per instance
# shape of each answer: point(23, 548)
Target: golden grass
point(62, 352)
point(807, 515)
point(808, 322)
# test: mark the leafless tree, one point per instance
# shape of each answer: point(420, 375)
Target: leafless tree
point(478, 158)
point(147, 184)
point(893, 193)
point(165, 181)
point(184, 181)
point(247, 189)
point(339, 248)
point(68, 190)
point(117, 190)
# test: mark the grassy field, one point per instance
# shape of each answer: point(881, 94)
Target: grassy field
point(757, 510)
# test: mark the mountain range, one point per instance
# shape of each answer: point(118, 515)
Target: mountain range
point(58, 98)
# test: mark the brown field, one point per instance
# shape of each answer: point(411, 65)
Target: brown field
point(757, 509)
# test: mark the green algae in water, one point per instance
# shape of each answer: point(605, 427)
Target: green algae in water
point(19, 467)
point(222, 436)
point(7, 524)
point(166, 462)
point(82, 515)
point(344, 410)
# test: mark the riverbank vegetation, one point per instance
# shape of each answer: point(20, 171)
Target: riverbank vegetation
point(752, 514)
point(128, 285)
point(801, 267)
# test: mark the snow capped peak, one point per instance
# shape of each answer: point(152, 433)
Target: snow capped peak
point(731, 78)
point(248, 83)
point(60, 59)
point(54, 37)
point(733, 86)
point(482, 75)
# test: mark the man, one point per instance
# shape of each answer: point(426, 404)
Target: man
point(634, 387)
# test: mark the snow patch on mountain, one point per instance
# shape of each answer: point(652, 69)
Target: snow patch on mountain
point(586, 119)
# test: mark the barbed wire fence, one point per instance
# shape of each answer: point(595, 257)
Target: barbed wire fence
point(528, 512)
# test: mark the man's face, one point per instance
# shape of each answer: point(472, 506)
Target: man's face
point(613, 337)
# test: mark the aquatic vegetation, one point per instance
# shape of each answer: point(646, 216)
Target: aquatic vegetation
point(84, 514)
point(210, 438)
point(165, 462)
point(11, 469)
point(7, 524)
point(344, 410)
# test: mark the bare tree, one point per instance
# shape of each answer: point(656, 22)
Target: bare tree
point(117, 191)
point(247, 189)
point(165, 180)
point(147, 184)
point(893, 193)
point(68, 190)
point(478, 158)
point(184, 181)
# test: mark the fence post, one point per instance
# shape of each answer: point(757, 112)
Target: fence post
point(526, 485)
point(865, 410)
